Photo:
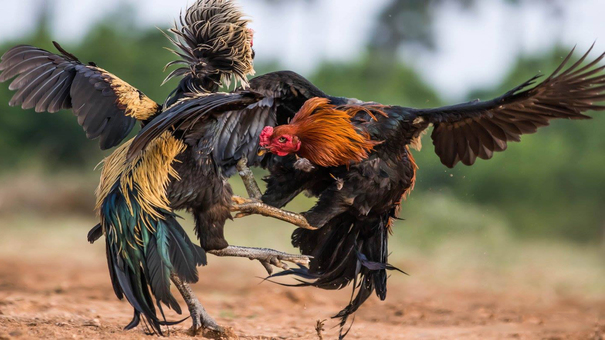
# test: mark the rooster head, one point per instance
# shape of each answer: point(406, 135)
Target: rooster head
point(282, 143)
point(320, 132)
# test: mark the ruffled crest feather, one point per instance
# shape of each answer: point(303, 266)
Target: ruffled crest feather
point(213, 40)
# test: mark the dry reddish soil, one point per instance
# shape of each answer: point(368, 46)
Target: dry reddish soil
point(55, 286)
point(73, 299)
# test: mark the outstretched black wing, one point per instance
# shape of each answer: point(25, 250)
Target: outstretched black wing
point(236, 131)
point(477, 129)
point(190, 114)
point(106, 106)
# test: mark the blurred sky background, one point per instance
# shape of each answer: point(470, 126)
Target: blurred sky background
point(472, 48)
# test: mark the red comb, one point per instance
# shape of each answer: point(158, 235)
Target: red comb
point(265, 136)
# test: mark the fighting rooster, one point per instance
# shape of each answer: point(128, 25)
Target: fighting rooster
point(355, 157)
point(138, 193)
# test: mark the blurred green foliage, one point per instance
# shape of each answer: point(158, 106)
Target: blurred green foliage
point(411, 22)
point(550, 185)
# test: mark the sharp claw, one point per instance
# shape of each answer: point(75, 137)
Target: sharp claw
point(237, 199)
point(276, 261)
point(195, 331)
point(268, 267)
point(203, 323)
point(220, 333)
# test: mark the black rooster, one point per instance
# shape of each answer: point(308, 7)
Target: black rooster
point(359, 165)
point(138, 193)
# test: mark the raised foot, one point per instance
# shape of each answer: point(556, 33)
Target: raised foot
point(267, 257)
point(246, 206)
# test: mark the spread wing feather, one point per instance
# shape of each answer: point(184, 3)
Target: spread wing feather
point(106, 107)
point(191, 113)
point(464, 132)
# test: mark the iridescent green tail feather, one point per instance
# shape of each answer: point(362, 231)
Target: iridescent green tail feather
point(142, 252)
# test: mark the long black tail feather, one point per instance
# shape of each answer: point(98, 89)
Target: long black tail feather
point(347, 250)
point(136, 292)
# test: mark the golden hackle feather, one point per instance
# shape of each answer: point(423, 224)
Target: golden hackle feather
point(113, 167)
point(149, 173)
point(129, 99)
point(327, 136)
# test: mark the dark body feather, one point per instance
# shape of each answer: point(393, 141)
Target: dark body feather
point(204, 192)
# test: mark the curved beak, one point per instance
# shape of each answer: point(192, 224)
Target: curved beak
point(262, 151)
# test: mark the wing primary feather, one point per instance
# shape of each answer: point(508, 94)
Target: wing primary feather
point(106, 106)
point(65, 53)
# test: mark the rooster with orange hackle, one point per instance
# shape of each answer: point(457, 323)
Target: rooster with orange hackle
point(360, 166)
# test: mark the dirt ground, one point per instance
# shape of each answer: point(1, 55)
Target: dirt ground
point(57, 287)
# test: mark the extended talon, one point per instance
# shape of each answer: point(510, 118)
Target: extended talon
point(277, 261)
point(267, 257)
point(254, 205)
point(267, 265)
point(247, 206)
point(273, 261)
point(238, 200)
point(241, 205)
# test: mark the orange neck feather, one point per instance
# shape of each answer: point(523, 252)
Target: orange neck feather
point(327, 136)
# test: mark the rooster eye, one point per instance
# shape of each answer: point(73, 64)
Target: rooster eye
point(282, 139)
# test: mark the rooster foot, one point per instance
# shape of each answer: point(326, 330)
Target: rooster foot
point(203, 323)
point(247, 206)
point(267, 257)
